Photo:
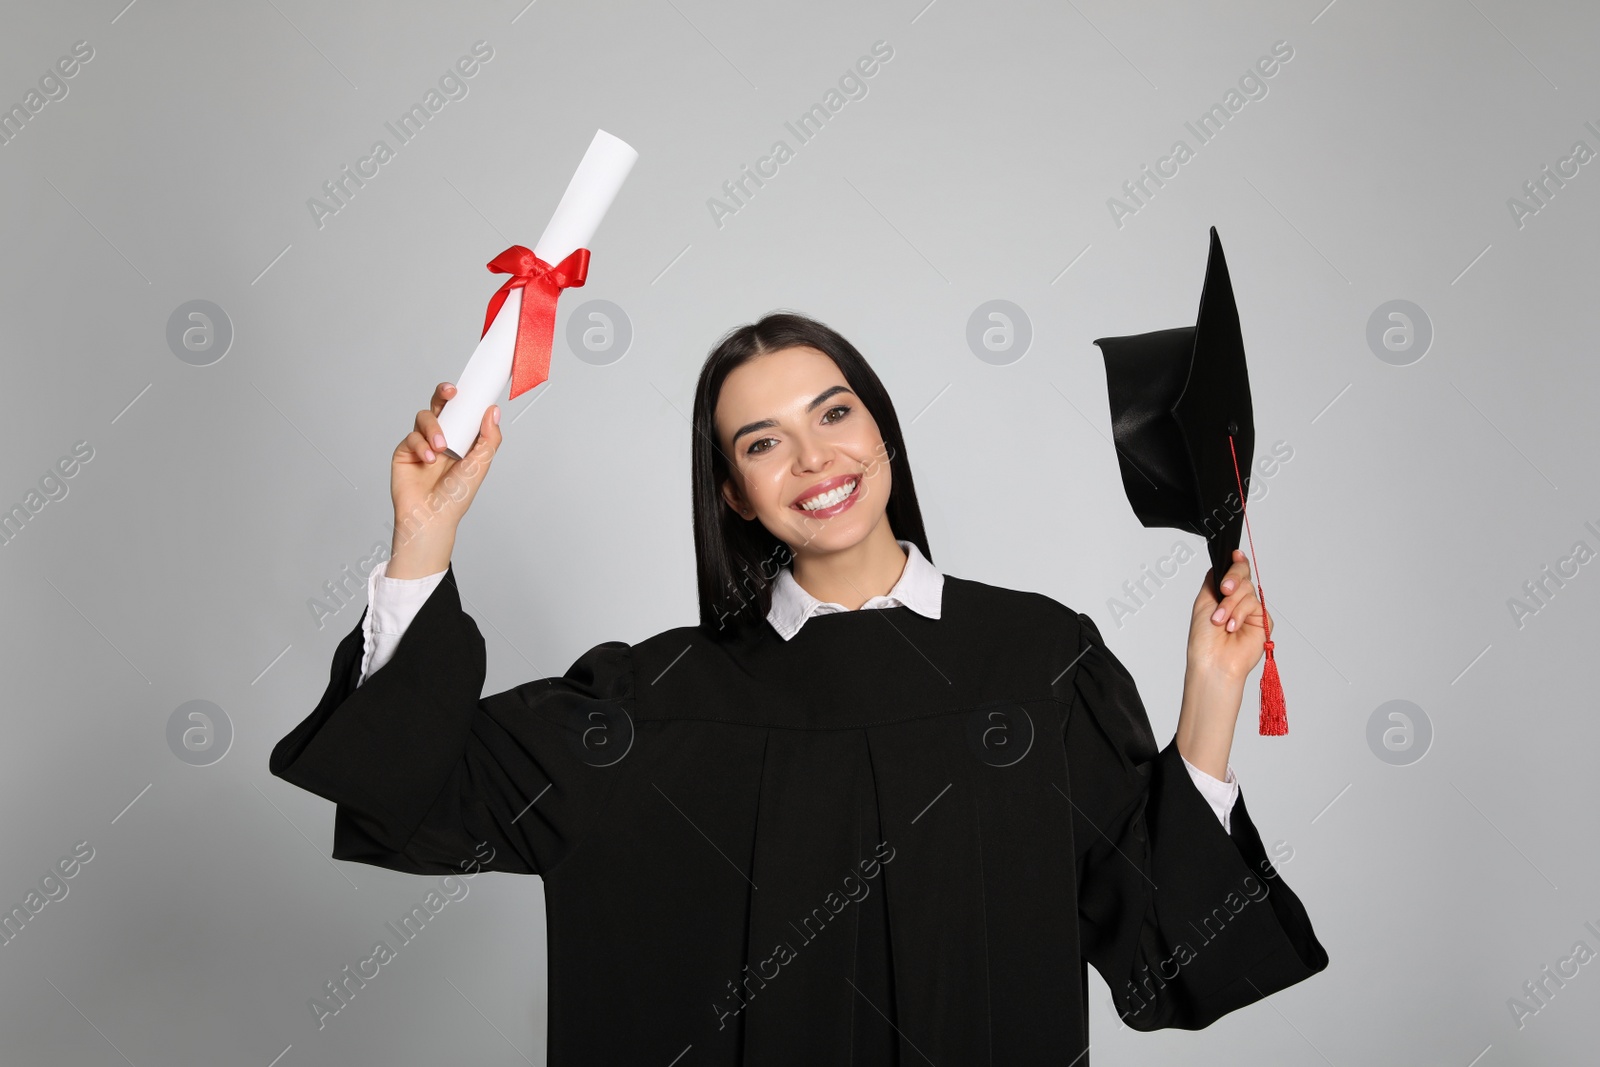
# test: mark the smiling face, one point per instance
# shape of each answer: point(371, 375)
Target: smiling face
point(807, 458)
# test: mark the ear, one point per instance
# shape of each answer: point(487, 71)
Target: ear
point(736, 500)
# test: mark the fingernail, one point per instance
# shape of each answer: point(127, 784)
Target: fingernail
point(427, 454)
point(497, 414)
point(438, 440)
point(1216, 616)
point(1232, 625)
point(1227, 586)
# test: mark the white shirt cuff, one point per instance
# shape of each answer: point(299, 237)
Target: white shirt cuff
point(391, 605)
point(1221, 794)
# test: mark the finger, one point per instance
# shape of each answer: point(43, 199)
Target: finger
point(426, 427)
point(442, 392)
point(1239, 569)
point(484, 447)
point(432, 432)
point(416, 446)
point(1244, 591)
point(1246, 611)
point(489, 428)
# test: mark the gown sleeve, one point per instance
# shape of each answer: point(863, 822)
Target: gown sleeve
point(431, 779)
point(1184, 920)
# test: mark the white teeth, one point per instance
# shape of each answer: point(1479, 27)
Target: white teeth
point(831, 497)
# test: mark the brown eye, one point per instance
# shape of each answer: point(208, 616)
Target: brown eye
point(753, 451)
point(842, 407)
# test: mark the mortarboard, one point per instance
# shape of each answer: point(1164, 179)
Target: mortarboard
point(1184, 431)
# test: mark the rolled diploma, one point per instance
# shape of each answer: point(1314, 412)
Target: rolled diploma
point(485, 379)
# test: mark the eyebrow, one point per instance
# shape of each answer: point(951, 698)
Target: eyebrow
point(765, 424)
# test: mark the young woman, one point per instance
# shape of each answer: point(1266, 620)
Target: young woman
point(863, 812)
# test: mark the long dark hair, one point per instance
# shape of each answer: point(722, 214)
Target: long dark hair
point(737, 559)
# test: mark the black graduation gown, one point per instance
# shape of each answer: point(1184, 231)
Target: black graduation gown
point(889, 840)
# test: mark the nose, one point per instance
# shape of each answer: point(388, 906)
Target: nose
point(811, 453)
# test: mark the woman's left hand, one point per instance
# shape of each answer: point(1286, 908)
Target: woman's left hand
point(1226, 637)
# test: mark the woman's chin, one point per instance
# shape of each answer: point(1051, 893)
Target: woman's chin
point(831, 535)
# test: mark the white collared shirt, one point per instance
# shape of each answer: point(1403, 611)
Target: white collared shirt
point(394, 602)
point(920, 588)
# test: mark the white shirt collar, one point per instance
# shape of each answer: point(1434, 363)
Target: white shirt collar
point(920, 588)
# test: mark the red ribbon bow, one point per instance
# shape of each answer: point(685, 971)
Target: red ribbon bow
point(541, 285)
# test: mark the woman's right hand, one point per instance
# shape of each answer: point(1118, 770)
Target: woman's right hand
point(431, 491)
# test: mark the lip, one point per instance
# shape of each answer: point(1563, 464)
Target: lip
point(826, 485)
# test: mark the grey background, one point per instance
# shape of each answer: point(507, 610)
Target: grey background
point(181, 563)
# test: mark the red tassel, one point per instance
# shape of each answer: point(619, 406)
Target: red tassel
point(1274, 714)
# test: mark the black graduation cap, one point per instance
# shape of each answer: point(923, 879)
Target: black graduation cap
point(1185, 435)
point(1176, 397)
